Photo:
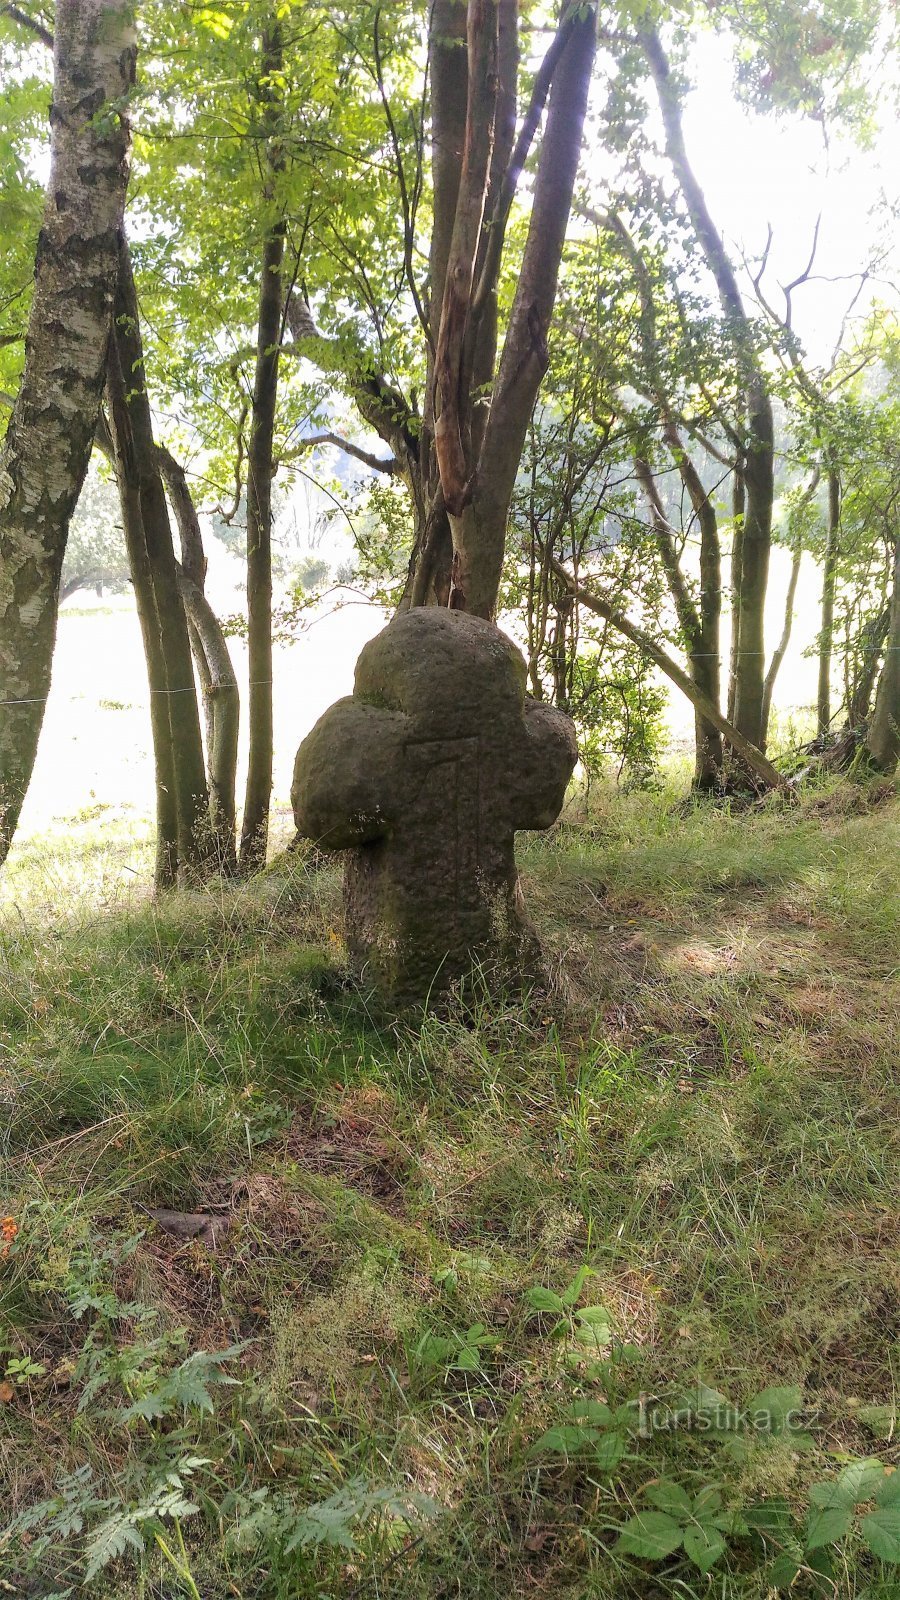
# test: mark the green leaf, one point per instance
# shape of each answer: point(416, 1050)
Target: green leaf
point(591, 1411)
point(881, 1531)
point(468, 1360)
point(651, 1534)
point(776, 1410)
point(594, 1314)
point(566, 1439)
point(888, 1490)
point(608, 1451)
point(571, 1293)
point(707, 1502)
point(825, 1524)
point(544, 1300)
point(770, 1517)
point(594, 1335)
point(670, 1497)
point(859, 1479)
point(784, 1570)
point(703, 1544)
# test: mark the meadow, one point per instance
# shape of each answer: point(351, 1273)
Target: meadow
point(582, 1295)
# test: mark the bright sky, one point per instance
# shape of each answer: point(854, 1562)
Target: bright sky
point(757, 171)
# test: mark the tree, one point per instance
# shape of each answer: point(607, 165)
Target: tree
point(459, 459)
point(755, 470)
point(183, 845)
point(261, 471)
point(48, 441)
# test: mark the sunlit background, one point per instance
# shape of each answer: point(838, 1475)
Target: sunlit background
point(95, 758)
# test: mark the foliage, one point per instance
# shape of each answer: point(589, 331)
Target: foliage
point(473, 1267)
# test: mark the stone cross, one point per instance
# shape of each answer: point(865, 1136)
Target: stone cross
point(423, 775)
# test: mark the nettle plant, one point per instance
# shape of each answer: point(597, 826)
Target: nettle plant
point(605, 1426)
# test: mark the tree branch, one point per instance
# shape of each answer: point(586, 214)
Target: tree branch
point(377, 463)
point(753, 758)
point(16, 14)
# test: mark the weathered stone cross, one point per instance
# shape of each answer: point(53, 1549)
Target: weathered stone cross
point(424, 774)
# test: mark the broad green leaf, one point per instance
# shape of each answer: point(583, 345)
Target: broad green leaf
point(594, 1314)
point(572, 1291)
point(544, 1300)
point(859, 1479)
point(609, 1449)
point(888, 1490)
point(594, 1335)
point(776, 1410)
point(770, 1516)
point(651, 1535)
point(567, 1439)
point(468, 1360)
point(703, 1544)
point(784, 1569)
point(591, 1411)
point(881, 1531)
point(826, 1524)
point(670, 1497)
point(707, 1502)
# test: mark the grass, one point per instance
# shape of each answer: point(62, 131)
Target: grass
point(703, 1115)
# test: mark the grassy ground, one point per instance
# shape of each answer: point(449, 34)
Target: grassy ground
point(696, 1134)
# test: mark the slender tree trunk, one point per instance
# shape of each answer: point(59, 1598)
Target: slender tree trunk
point(260, 472)
point(47, 447)
point(883, 741)
point(223, 711)
point(218, 680)
point(707, 666)
point(180, 756)
point(872, 640)
point(700, 627)
point(758, 466)
point(781, 648)
point(756, 545)
point(829, 578)
point(737, 547)
point(167, 854)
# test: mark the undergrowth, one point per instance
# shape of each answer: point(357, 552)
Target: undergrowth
point(588, 1296)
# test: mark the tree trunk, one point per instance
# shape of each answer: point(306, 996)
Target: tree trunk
point(883, 741)
point(479, 534)
point(751, 578)
point(706, 664)
point(180, 750)
point(781, 649)
point(872, 641)
point(829, 577)
point(218, 680)
point(737, 543)
point(47, 446)
point(223, 710)
point(756, 546)
point(166, 867)
point(260, 472)
point(699, 627)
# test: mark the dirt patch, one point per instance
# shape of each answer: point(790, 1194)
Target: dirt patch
point(354, 1142)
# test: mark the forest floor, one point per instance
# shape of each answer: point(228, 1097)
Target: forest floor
point(460, 1299)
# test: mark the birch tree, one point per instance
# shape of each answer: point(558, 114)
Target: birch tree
point(45, 452)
